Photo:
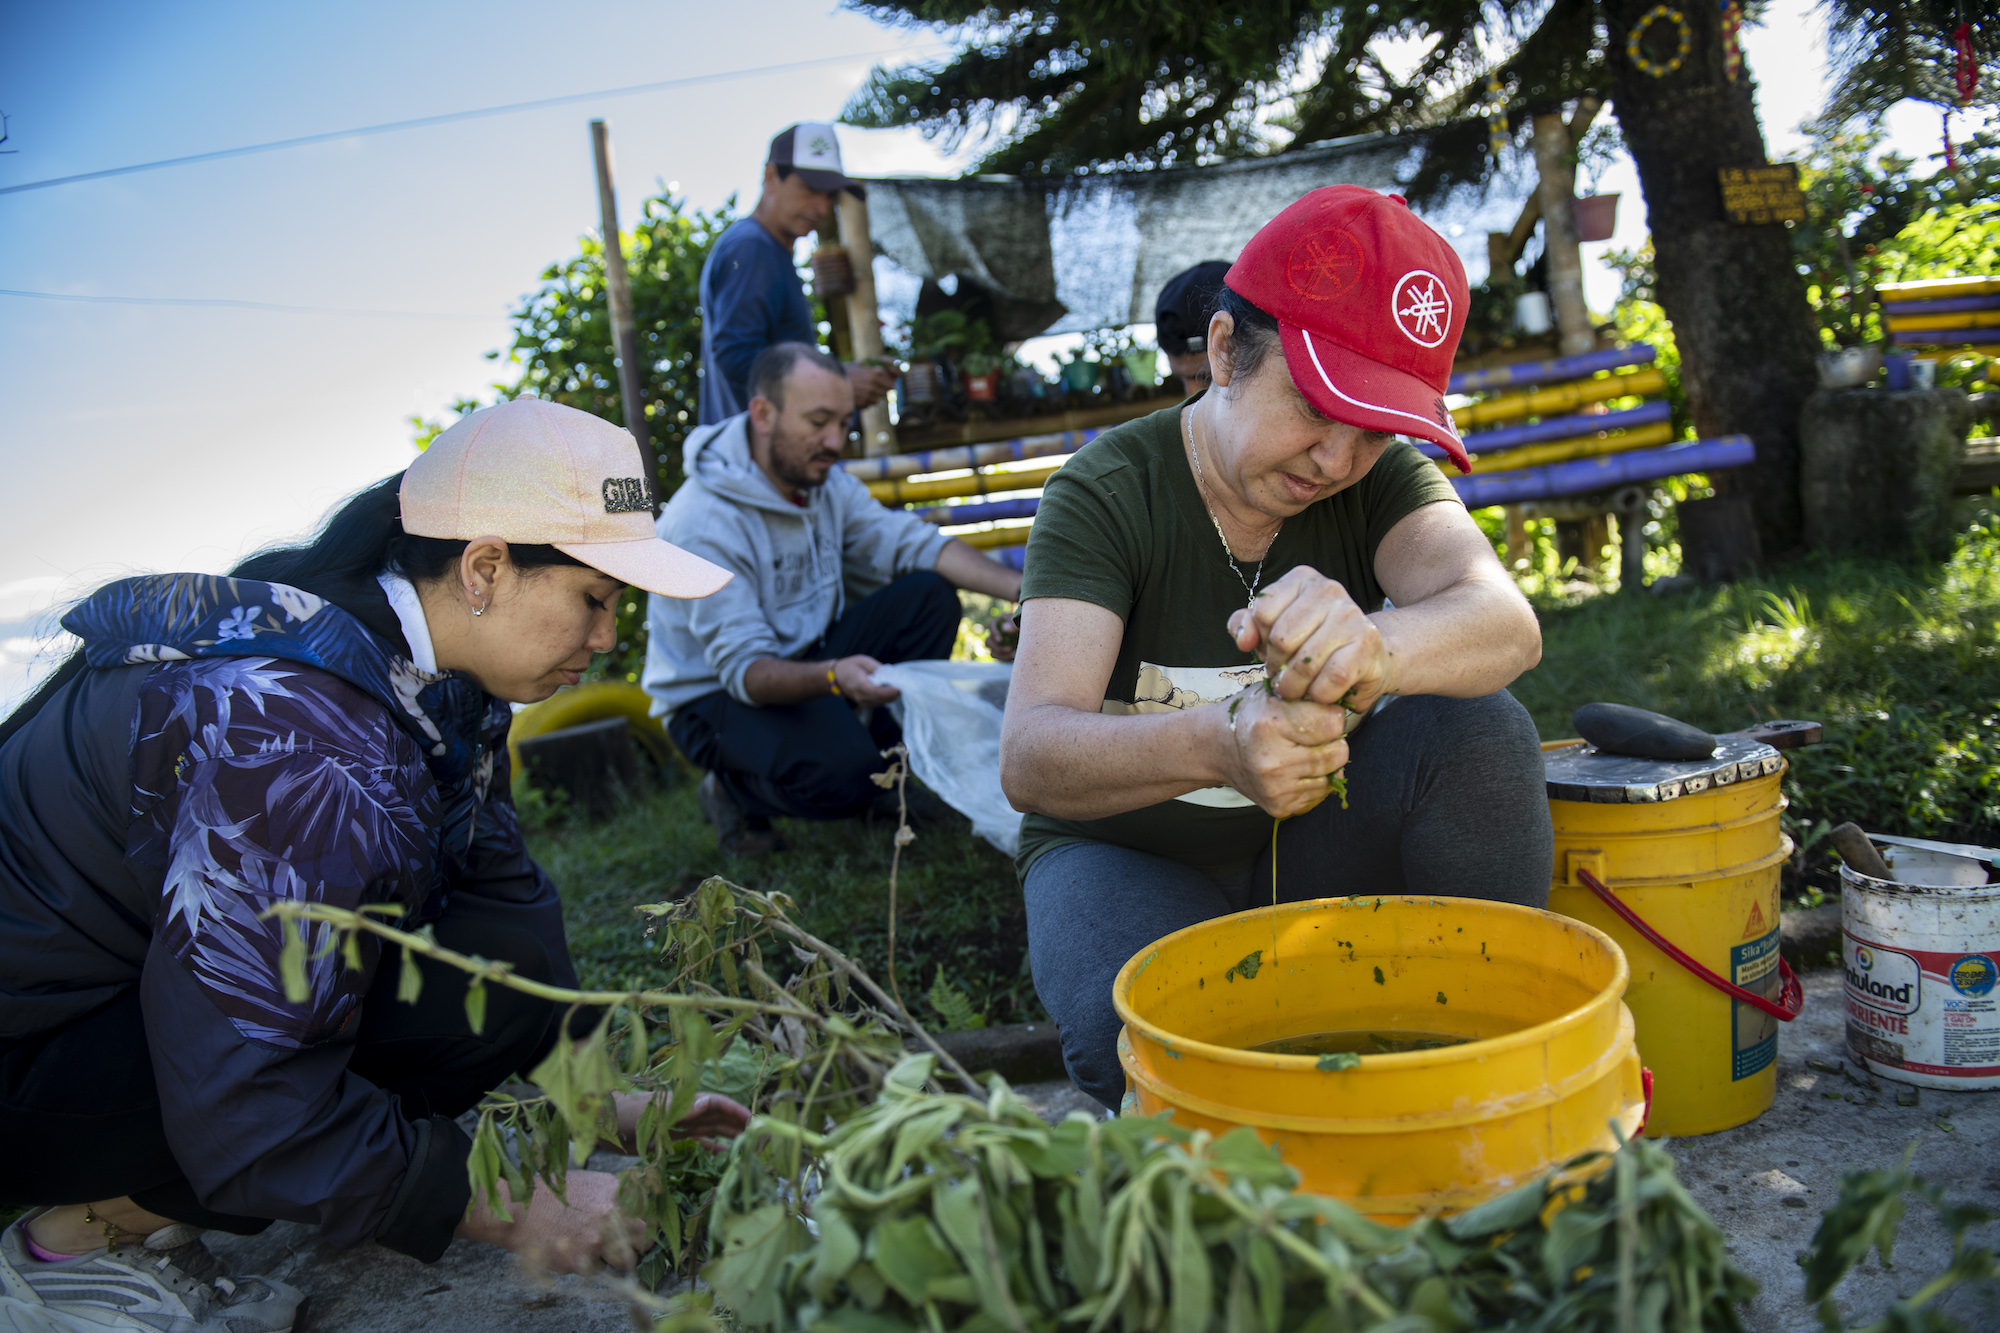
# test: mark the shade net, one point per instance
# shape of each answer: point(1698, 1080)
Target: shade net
point(1070, 254)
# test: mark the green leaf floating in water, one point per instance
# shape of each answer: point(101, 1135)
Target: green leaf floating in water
point(1248, 967)
point(1337, 1061)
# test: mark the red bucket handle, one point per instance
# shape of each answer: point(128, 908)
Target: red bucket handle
point(1791, 995)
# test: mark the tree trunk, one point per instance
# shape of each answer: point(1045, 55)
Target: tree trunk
point(1555, 159)
point(1745, 333)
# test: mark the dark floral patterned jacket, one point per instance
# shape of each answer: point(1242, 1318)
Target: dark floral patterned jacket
point(231, 744)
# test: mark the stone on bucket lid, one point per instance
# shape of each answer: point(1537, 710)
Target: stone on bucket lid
point(1639, 733)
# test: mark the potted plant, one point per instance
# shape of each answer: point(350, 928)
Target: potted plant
point(933, 338)
point(981, 365)
point(1079, 371)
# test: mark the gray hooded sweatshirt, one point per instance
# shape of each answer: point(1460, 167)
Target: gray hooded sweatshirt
point(797, 568)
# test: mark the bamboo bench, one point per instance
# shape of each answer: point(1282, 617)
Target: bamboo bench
point(1536, 431)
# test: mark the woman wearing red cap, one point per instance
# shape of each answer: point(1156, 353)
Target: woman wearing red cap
point(328, 725)
point(1272, 529)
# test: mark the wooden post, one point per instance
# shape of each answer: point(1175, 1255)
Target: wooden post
point(624, 331)
point(1518, 549)
point(863, 320)
point(1555, 160)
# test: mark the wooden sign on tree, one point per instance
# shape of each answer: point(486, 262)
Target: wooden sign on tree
point(1761, 194)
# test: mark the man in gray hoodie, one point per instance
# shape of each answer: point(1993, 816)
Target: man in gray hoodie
point(759, 683)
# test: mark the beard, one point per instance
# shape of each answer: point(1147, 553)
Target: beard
point(797, 461)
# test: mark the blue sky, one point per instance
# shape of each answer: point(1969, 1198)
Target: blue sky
point(180, 437)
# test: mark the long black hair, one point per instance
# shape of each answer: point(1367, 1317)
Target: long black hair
point(361, 539)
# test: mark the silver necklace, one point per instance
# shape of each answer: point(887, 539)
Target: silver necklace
point(1201, 482)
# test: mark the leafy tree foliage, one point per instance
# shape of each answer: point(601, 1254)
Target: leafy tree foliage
point(1058, 87)
point(1883, 51)
point(562, 332)
point(1871, 219)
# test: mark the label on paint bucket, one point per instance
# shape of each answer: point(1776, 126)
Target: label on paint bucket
point(1753, 965)
point(1924, 1011)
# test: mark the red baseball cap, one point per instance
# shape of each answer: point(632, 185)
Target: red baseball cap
point(1370, 302)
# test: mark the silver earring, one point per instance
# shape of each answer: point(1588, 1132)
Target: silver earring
point(478, 608)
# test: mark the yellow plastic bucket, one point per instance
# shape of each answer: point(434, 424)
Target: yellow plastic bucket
point(595, 701)
point(1701, 868)
point(1551, 1069)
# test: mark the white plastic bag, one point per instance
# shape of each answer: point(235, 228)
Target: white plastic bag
point(950, 715)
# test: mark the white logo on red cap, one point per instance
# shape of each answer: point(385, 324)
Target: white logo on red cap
point(1421, 307)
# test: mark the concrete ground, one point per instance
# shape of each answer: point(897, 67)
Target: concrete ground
point(1766, 1183)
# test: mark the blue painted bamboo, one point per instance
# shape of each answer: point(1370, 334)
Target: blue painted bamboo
point(1589, 476)
point(1011, 556)
point(1556, 428)
point(1950, 305)
point(1550, 372)
point(966, 456)
point(1946, 337)
point(990, 511)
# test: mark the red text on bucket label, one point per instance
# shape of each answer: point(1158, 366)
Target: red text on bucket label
point(1886, 979)
point(1753, 965)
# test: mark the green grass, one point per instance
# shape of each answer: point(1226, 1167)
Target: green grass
point(959, 902)
point(1899, 660)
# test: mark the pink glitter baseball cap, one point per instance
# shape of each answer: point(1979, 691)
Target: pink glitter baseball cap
point(542, 474)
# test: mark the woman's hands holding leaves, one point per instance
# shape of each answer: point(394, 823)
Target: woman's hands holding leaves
point(1318, 642)
point(1282, 752)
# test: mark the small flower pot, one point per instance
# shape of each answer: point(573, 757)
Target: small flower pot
point(1596, 217)
point(982, 388)
point(920, 382)
point(1079, 376)
point(1143, 368)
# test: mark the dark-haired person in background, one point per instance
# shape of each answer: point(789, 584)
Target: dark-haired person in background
point(751, 296)
point(1180, 321)
point(759, 683)
point(328, 725)
point(1251, 535)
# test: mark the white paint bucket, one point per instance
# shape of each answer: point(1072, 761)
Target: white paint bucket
point(1922, 964)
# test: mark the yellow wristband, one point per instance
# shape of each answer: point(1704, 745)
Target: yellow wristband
point(831, 683)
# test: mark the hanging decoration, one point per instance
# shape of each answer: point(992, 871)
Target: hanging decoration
point(1732, 44)
point(1964, 64)
point(1496, 120)
point(1635, 41)
point(1964, 78)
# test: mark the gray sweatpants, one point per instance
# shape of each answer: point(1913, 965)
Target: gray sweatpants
point(1445, 797)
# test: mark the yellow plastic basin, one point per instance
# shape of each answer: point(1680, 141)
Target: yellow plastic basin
point(1552, 1066)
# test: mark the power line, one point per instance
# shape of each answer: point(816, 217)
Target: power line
point(240, 305)
point(424, 121)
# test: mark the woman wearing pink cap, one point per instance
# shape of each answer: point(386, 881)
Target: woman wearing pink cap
point(327, 725)
point(1224, 592)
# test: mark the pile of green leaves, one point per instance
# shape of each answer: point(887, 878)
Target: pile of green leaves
point(927, 1211)
point(806, 1050)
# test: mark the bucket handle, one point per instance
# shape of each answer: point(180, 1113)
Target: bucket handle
point(1791, 994)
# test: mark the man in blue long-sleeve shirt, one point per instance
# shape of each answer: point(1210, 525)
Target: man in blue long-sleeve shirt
point(751, 296)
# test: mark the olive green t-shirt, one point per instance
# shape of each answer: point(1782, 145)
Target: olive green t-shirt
point(1122, 525)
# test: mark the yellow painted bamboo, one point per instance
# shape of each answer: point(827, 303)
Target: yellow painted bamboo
point(1937, 289)
point(985, 539)
point(1560, 398)
point(903, 491)
point(1564, 451)
point(1970, 319)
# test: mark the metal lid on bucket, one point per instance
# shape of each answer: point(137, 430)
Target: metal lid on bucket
point(1582, 772)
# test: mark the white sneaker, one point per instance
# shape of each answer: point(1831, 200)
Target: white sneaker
point(170, 1283)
